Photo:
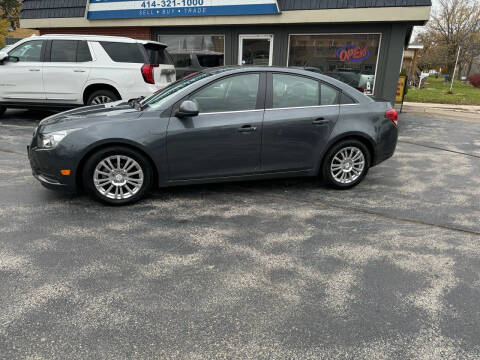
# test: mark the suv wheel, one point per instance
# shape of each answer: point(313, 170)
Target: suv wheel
point(346, 164)
point(117, 176)
point(2, 110)
point(101, 97)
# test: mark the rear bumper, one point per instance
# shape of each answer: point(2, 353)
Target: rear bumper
point(46, 166)
point(387, 146)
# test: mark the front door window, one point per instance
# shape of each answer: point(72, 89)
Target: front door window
point(234, 93)
point(255, 50)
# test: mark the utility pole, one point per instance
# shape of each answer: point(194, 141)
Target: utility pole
point(455, 69)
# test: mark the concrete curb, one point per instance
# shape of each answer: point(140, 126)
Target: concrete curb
point(446, 111)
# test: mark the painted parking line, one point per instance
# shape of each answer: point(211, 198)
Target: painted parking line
point(357, 210)
point(438, 148)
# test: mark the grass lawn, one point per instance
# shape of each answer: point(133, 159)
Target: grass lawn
point(436, 91)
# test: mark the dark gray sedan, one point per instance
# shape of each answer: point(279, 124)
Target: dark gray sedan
point(224, 124)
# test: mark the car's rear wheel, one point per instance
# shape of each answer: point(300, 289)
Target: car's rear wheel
point(2, 110)
point(102, 97)
point(346, 164)
point(117, 176)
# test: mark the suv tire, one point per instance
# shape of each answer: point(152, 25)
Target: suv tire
point(117, 175)
point(346, 164)
point(2, 110)
point(101, 97)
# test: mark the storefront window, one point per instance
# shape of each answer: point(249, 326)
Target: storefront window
point(191, 53)
point(351, 58)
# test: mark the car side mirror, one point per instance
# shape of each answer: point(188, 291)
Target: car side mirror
point(3, 56)
point(187, 108)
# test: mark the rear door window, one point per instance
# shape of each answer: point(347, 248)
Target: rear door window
point(63, 51)
point(346, 100)
point(124, 52)
point(329, 95)
point(294, 91)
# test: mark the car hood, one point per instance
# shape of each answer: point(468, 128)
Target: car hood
point(89, 115)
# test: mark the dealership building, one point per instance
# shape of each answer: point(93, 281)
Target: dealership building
point(360, 42)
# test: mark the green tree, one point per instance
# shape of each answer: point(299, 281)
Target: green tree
point(10, 10)
point(455, 24)
point(4, 24)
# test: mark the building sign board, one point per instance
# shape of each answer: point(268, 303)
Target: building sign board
point(123, 9)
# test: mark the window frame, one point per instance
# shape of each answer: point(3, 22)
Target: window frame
point(261, 98)
point(269, 94)
point(380, 43)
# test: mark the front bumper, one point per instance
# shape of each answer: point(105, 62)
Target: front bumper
point(46, 168)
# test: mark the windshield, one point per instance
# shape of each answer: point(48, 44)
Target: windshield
point(157, 100)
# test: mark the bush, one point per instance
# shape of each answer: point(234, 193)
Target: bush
point(475, 80)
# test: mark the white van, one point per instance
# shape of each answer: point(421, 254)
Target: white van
point(73, 70)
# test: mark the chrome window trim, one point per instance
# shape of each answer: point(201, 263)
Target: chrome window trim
point(230, 112)
point(302, 107)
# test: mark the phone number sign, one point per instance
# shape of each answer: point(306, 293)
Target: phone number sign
point(121, 9)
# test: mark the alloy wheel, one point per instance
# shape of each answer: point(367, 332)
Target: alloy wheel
point(101, 99)
point(347, 165)
point(118, 177)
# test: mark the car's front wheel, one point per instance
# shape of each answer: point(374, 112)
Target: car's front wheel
point(2, 110)
point(117, 176)
point(346, 164)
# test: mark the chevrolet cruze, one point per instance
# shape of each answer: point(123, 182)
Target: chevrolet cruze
point(223, 124)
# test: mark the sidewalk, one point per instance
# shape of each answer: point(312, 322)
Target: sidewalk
point(457, 112)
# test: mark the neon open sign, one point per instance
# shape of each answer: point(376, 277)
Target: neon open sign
point(353, 53)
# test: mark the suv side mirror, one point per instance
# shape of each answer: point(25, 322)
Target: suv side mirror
point(187, 108)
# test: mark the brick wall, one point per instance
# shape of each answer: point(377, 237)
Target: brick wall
point(142, 33)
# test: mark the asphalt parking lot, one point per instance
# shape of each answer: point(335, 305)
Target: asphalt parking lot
point(282, 269)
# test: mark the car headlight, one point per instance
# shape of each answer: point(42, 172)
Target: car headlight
point(51, 140)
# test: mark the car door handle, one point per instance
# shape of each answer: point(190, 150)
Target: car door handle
point(79, 71)
point(320, 121)
point(36, 70)
point(247, 128)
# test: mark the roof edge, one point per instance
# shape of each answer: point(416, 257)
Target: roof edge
point(350, 15)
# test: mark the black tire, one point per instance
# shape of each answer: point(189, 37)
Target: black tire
point(2, 110)
point(102, 93)
point(329, 158)
point(125, 152)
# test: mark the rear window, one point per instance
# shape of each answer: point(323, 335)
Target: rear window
point(157, 54)
point(124, 52)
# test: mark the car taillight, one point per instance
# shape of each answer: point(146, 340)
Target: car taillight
point(147, 73)
point(393, 116)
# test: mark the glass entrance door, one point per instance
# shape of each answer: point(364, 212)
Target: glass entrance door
point(255, 50)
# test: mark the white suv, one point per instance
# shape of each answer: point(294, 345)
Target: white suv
point(74, 70)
